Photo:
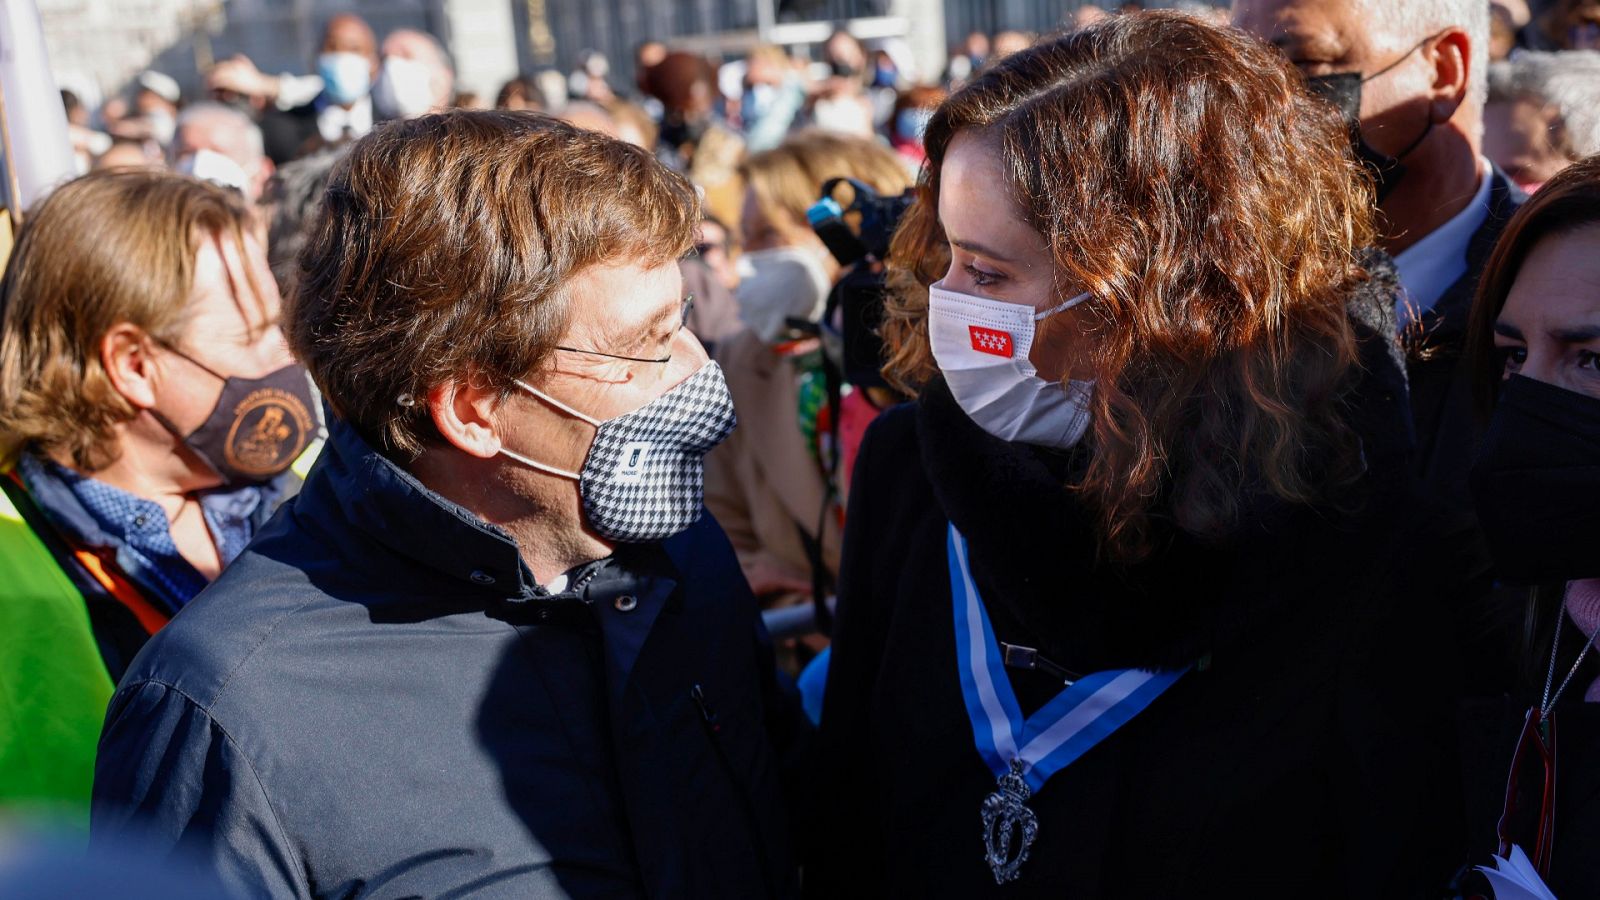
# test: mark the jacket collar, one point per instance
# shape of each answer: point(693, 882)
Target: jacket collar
point(375, 496)
point(1445, 325)
point(625, 592)
point(57, 492)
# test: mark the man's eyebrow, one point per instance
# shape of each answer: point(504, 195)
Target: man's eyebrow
point(652, 329)
point(1506, 329)
point(1299, 45)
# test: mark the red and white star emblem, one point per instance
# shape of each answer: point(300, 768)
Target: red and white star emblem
point(990, 341)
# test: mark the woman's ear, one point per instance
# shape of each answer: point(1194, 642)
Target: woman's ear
point(464, 412)
point(125, 354)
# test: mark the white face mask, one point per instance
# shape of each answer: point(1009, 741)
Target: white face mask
point(209, 165)
point(778, 285)
point(982, 349)
point(163, 126)
point(404, 89)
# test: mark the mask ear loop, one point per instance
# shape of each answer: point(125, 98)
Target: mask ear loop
point(532, 464)
point(582, 417)
point(1427, 129)
point(1060, 307)
point(535, 464)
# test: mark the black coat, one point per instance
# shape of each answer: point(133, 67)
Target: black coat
point(1311, 757)
point(1447, 430)
point(1441, 396)
point(1490, 728)
point(288, 134)
point(376, 700)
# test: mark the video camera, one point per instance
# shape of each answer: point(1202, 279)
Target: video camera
point(879, 216)
point(856, 301)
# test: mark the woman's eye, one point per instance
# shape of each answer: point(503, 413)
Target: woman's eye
point(980, 277)
point(1512, 359)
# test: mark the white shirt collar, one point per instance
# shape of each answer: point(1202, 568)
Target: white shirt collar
point(333, 120)
point(1430, 266)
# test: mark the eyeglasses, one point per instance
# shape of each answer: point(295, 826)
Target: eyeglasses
point(683, 321)
point(1536, 752)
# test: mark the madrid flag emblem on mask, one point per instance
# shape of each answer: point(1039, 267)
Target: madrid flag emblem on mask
point(990, 341)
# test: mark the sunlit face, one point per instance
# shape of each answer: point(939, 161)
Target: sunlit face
point(1549, 329)
point(1517, 137)
point(227, 328)
point(996, 254)
point(624, 310)
point(1324, 37)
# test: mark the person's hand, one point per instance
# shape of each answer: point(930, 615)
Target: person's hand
point(133, 128)
point(768, 581)
point(240, 76)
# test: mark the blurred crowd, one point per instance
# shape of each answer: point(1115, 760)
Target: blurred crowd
point(1380, 287)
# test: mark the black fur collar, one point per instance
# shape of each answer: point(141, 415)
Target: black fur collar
point(1036, 560)
point(1035, 554)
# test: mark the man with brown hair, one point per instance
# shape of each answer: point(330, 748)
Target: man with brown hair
point(492, 648)
point(150, 417)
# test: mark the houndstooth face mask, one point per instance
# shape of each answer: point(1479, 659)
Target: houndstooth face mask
point(644, 476)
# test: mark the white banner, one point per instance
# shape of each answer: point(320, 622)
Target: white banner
point(41, 153)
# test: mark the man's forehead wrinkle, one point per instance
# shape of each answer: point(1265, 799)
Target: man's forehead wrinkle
point(1324, 43)
point(1297, 36)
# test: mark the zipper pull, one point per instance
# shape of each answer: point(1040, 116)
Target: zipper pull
point(699, 698)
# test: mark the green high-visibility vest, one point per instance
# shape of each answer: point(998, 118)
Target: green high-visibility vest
point(54, 686)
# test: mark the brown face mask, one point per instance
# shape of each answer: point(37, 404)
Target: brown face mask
point(258, 428)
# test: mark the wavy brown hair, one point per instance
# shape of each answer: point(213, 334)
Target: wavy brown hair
point(109, 248)
point(443, 249)
point(1184, 178)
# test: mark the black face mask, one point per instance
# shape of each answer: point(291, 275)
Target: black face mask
point(258, 428)
point(677, 131)
point(1343, 90)
point(1536, 483)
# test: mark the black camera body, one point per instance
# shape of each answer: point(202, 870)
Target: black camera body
point(879, 218)
point(856, 302)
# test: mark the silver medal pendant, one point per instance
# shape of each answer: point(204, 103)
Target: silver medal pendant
point(1006, 821)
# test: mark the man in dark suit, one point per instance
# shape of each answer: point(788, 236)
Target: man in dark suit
point(504, 657)
point(1416, 70)
point(1421, 68)
point(347, 62)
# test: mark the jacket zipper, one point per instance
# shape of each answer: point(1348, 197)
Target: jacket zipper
point(708, 719)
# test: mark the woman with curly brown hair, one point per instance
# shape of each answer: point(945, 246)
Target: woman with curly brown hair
point(1120, 609)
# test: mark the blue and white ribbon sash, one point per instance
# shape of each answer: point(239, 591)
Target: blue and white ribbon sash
point(1062, 730)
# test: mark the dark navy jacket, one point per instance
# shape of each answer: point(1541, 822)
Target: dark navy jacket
point(1488, 622)
point(377, 700)
point(1441, 395)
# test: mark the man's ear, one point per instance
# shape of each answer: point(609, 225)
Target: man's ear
point(125, 355)
point(465, 413)
point(1451, 55)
